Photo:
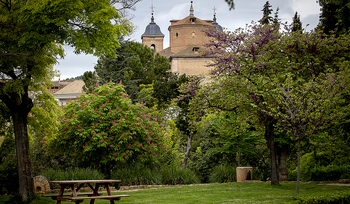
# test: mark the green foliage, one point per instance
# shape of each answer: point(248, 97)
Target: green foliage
point(307, 163)
point(297, 25)
point(227, 138)
point(137, 64)
point(31, 39)
point(266, 19)
point(90, 81)
point(223, 174)
point(105, 127)
point(8, 166)
point(300, 80)
point(136, 174)
point(172, 175)
point(16, 199)
point(334, 15)
point(334, 198)
point(330, 173)
point(139, 174)
point(73, 174)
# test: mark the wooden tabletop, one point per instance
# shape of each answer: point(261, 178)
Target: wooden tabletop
point(85, 181)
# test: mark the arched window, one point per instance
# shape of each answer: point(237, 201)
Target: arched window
point(153, 47)
point(177, 34)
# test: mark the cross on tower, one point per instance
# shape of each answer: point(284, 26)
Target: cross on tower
point(152, 8)
point(214, 10)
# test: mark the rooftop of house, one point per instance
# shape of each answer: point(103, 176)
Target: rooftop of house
point(72, 88)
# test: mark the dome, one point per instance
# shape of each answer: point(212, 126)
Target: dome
point(152, 28)
point(216, 24)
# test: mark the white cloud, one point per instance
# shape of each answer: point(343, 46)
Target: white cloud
point(306, 7)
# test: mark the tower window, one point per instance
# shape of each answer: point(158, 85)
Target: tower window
point(193, 20)
point(177, 35)
point(153, 47)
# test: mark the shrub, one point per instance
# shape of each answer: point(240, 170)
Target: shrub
point(175, 175)
point(325, 199)
point(8, 166)
point(330, 173)
point(73, 174)
point(135, 175)
point(142, 175)
point(223, 174)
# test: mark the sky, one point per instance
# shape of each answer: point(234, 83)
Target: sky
point(244, 13)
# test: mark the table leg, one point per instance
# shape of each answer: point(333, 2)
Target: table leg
point(60, 193)
point(109, 192)
point(92, 201)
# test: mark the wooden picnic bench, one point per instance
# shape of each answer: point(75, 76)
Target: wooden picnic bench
point(74, 196)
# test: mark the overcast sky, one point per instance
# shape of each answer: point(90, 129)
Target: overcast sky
point(244, 13)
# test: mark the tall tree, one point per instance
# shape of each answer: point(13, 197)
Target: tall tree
point(104, 127)
point(31, 36)
point(296, 25)
point(137, 64)
point(266, 19)
point(295, 80)
point(276, 19)
point(335, 15)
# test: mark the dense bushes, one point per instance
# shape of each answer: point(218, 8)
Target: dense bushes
point(325, 199)
point(73, 174)
point(330, 173)
point(223, 174)
point(142, 175)
point(8, 166)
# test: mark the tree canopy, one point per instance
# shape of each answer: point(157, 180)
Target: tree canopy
point(105, 126)
point(296, 79)
point(266, 19)
point(31, 39)
point(137, 64)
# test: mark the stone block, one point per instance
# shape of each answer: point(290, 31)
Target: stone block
point(244, 173)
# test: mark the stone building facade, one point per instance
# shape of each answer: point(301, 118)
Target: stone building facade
point(186, 38)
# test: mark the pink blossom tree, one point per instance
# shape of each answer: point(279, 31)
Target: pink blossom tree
point(105, 127)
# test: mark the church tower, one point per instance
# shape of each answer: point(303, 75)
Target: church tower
point(186, 40)
point(153, 37)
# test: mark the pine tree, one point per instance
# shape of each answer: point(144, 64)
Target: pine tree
point(297, 25)
point(276, 20)
point(266, 19)
point(335, 15)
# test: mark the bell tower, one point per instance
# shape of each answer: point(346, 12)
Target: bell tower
point(153, 37)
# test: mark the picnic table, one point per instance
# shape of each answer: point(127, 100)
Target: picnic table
point(93, 184)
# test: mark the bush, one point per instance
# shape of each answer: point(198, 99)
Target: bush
point(330, 173)
point(223, 174)
point(325, 199)
point(73, 174)
point(176, 175)
point(135, 175)
point(8, 166)
point(142, 175)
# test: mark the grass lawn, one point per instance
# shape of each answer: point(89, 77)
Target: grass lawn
point(219, 193)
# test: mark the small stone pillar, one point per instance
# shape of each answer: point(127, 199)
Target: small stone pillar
point(244, 173)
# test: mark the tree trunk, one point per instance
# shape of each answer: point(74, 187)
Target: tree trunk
point(298, 174)
point(187, 154)
point(270, 138)
point(20, 106)
point(282, 161)
point(25, 176)
point(238, 159)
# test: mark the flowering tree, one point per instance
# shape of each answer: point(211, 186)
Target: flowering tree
point(292, 80)
point(105, 126)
